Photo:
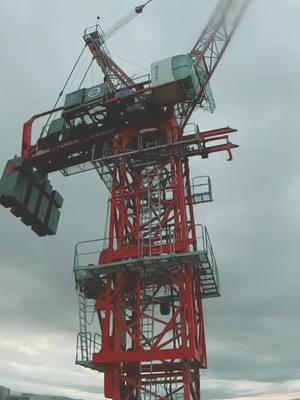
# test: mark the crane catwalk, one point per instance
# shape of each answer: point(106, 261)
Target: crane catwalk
point(144, 283)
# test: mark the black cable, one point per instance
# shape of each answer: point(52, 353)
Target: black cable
point(64, 87)
point(84, 76)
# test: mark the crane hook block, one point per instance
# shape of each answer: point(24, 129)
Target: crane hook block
point(140, 9)
point(29, 196)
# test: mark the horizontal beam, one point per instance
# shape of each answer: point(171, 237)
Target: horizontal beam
point(79, 151)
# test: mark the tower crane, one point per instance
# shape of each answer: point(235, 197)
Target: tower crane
point(144, 283)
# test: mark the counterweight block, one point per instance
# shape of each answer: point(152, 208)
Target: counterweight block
point(29, 196)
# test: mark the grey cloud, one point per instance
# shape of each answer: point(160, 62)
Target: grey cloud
point(252, 330)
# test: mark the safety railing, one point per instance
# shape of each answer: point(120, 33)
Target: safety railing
point(191, 129)
point(211, 256)
point(144, 80)
point(201, 189)
point(88, 252)
point(87, 345)
point(94, 32)
point(204, 245)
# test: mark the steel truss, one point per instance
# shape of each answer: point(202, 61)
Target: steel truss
point(208, 51)
point(148, 283)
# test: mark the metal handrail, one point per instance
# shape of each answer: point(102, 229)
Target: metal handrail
point(83, 337)
point(212, 255)
point(97, 342)
point(93, 28)
point(93, 345)
point(78, 254)
point(205, 245)
point(191, 128)
point(200, 237)
point(198, 182)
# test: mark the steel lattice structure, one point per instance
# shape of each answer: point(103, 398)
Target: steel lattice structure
point(146, 280)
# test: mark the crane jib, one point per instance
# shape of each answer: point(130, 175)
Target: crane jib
point(210, 47)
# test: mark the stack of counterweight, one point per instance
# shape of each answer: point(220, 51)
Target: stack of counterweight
point(29, 195)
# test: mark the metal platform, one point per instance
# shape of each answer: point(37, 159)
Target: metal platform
point(89, 273)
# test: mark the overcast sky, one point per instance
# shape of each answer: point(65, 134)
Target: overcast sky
point(253, 330)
